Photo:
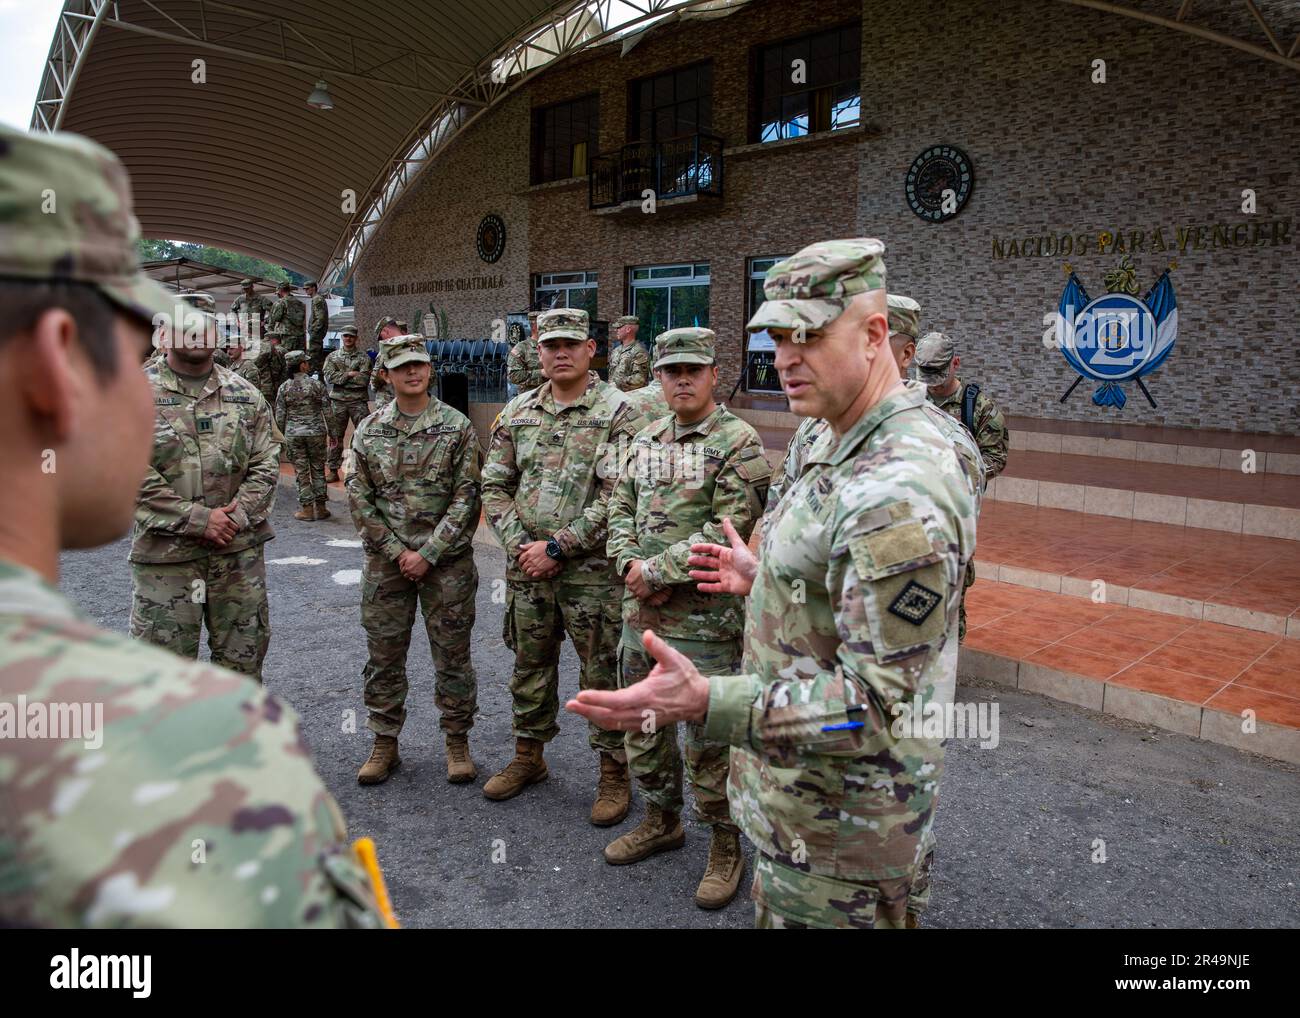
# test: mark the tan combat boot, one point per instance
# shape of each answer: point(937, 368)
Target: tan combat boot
point(527, 768)
point(659, 832)
point(323, 509)
point(613, 793)
point(383, 761)
point(460, 768)
point(307, 512)
point(726, 864)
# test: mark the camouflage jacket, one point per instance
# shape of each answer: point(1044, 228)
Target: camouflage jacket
point(524, 365)
point(415, 483)
point(632, 369)
point(854, 610)
point(258, 310)
point(271, 370)
point(192, 803)
point(550, 473)
point(649, 402)
point(320, 320)
point(989, 427)
point(336, 368)
point(676, 485)
point(290, 313)
point(208, 451)
point(247, 370)
point(300, 407)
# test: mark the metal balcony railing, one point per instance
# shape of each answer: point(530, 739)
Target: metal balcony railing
point(672, 169)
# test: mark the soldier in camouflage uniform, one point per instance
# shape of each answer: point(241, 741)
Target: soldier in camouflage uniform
point(546, 494)
point(683, 475)
point(271, 368)
point(253, 311)
point(300, 414)
point(386, 328)
point(630, 369)
point(193, 802)
point(937, 363)
point(317, 326)
point(244, 367)
point(414, 495)
point(290, 316)
point(852, 613)
point(523, 364)
point(202, 513)
point(347, 370)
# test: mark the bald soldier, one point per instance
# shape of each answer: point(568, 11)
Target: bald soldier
point(189, 798)
point(629, 366)
point(683, 475)
point(852, 614)
point(347, 370)
point(546, 495)
point(937, 364)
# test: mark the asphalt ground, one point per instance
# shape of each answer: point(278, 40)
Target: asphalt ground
point(1195, 834)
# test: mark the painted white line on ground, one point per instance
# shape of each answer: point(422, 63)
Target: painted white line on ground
point(296, 560)
point(339, 542)
point(347, 577)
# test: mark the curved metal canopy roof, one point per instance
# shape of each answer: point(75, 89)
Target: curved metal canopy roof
point(206, 101)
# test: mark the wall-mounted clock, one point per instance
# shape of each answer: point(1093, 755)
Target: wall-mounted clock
point(938, 169)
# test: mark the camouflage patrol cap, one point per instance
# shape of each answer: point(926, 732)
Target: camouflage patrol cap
point(399, 350)
point(247, 284)
point(388, 320)
point(812, 288)
point(534, 315)
point(66, 215)
point(349, 331)
point(294, 357)
point(904, 315)
point(562, 323)
point(684, 346)
point(626, 320)
point(310, 282)
point(203, 301)
point(279, 332)
point(934, 354)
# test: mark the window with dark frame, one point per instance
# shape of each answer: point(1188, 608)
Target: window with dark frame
point(824, 93)
point(565, 137)
point(671, 105)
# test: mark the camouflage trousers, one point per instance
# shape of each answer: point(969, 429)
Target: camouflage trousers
point(307, 454)
point(316, 356)
point(538, 614)
point(171, 602)
point(653, 757)
point(446, 597)
point(961, 611)
point(337, 414)
point(789, 899)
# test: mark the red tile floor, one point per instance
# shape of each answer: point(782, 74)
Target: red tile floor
point(1218, 667)
point(1239, 570)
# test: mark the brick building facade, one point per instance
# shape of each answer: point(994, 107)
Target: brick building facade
point(1158, 155)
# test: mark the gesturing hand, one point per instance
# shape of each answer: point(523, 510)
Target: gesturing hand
point(723, 570)
point(673, 691)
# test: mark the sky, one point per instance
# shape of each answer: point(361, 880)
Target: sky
point(26, 29)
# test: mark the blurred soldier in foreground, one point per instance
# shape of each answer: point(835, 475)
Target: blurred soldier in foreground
point(203, 508)
point(290, 316)
point(183, 776)
point(629, 366)
point(414, 495)
point(937, 363)
point(853, 612)
point(683, 475)
point(317, 326)
point(300, 415)
point(546, 495)
point(523, 364)
point(347, 370)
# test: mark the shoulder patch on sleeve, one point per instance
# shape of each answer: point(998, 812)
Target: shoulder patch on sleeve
point(753, 466)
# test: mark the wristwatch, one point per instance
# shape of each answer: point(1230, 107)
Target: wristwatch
point(553, 549)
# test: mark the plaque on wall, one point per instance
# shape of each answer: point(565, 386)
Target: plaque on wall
point(491, 237)
point(939, 183)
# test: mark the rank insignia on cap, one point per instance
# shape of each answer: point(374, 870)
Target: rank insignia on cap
point(915, 602)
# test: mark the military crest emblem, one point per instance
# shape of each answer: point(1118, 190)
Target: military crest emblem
point(1119, 336)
